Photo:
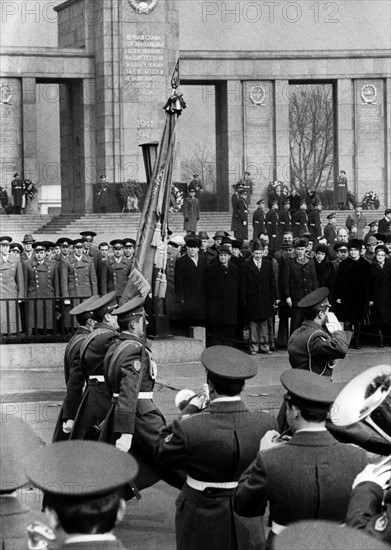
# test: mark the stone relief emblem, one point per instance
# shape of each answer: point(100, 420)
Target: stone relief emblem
point(6, 94)
point(368, 94)
point(257, 95)
point(143, 7)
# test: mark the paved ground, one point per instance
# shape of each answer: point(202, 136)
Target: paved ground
point(149, 523)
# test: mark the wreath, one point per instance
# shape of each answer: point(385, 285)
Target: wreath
point(370, 201)
point(277, 190)
point(130, 188)
point(176, 199)
point(29, 189)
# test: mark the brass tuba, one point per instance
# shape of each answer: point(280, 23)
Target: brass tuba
point(367, 398)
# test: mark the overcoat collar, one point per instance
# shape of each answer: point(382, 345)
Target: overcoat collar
point(313, 439)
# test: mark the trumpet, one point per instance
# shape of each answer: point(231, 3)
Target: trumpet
point(367, 398)
point(183, 397)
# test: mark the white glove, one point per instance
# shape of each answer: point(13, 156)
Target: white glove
point(372, 472)
point(268, 441)
point(289, 302)
point(124, 442)
point(67, 426)
point(67, 302)
point(332, 323)
point(244, 223)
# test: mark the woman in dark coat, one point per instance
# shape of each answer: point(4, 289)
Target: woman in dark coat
point(381, 311)
point(222, 293)
point(258, 294)
point(354, 290)
point(325, 271)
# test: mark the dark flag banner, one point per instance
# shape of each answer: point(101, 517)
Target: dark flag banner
point(152, 231)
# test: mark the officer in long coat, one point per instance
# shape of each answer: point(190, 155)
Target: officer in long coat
point(190, 284)
point(17, 193)
point(314, 223)
point(77, 274)
point(96, 400)
point(222, 293)
point(300, 220)
point(134, 422)
point(330, 230)
point(240, 216)
point(214, 447)
point(272, 221)
point(75, 377)
point(11, 288)
point(89, 248)
point(308, 477)
point(259, 219)
point(191, 211)
point(42, 281)
point(115, 271)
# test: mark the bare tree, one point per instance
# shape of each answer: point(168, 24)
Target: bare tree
point(311, 136)
point(199, 157)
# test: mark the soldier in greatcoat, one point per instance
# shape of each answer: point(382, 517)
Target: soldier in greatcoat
point(272, 221)
point(240, 216)
point(42, 281)
point(330, 230)
point(284, 222)
point(17, 193)
point(259, 220)
point(300, 220)
point(174, 248)
point(96, 400)
point(222, 293)
point(214, 446)
point(342, 190)
point(115, 270)
point(77, 274)
point(191, 211)
point(11, 288)
point(314, 223)
point(134, 422)
point(75, 377)
point(89, 248)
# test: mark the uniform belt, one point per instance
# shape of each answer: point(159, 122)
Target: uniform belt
point(202, 485)
point(277, 528)
point(145, 395)
point(97, 377)
point(341, 185)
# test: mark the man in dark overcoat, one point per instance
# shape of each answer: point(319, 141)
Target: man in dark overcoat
point(314, 223)
point(240, 216)
point(259, 220)
point(298, 278)
point(285, 221)
point(42, 281)
point(17, 193)
point(300, 220)
point(310, 476)
point(342, 190)
point(222, 293)
point(258, 288)
point(134, 421)
point(96, 400)
point(214, 446)
point(191, 211)
point(353, 290)
point(272, 221)
point(190, 284)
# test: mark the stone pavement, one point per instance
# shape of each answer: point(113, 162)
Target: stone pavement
point(149, 523)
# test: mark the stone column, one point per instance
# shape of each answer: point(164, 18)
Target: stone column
point(345, 132)
point(29, 106)
point(236, 166)
point(387, 195)
point(282, 168)
point(11, 131)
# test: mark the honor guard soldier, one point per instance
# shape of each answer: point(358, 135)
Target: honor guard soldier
point(82, 483)
point(89, 249)
point(17, 442)
point(311, 475)
point(134, 421)
point(11, 288)
point(75, 378)
point(214, 447)
point(96, 402)
point(320, 340)
point(77, 274)
point(17, 193)
point(116, 270)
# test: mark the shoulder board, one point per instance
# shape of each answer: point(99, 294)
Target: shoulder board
point(123, 345)
point(91, 337)
point(72, 344)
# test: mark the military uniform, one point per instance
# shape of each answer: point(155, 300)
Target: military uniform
point(42, 281)
point(300, 222)
point(214, 447)
point(272, 221)
point(330, 233)
point(314, 224)
point(191, 213)
point(308, 477)
point(115, 275)
point(77, 277)
point(259, 222)
point(17, 193)
point(12, 288)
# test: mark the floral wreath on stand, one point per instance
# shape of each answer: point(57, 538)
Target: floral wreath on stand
point(370, 201)
point(130, 192)
point(277, 190)
point(29, 189)
point(176, 202)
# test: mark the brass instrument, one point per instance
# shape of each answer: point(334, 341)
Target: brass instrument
point(367, 398)
point(183, 397)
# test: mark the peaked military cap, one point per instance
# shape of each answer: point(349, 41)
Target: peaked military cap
point(28, 239)
point(81, 469)
point(88, 233)
point(228, 364)
point(332, 215)
point(308, 390)
point(40, 245)
point(17, 441)
point(84, 307)
point(374, 222)
point(128, 242)
point(325, 535)
point(340, 245)
point(315, 299)
point(78, 240)
point(115, 242)
point(50, 244)
point(261, 201)
point(64, 240)
point(5, 240)
point(132, 307)
point(16, 245)
point(104, 304)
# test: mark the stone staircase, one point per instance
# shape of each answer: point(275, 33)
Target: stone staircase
point(111, 226)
